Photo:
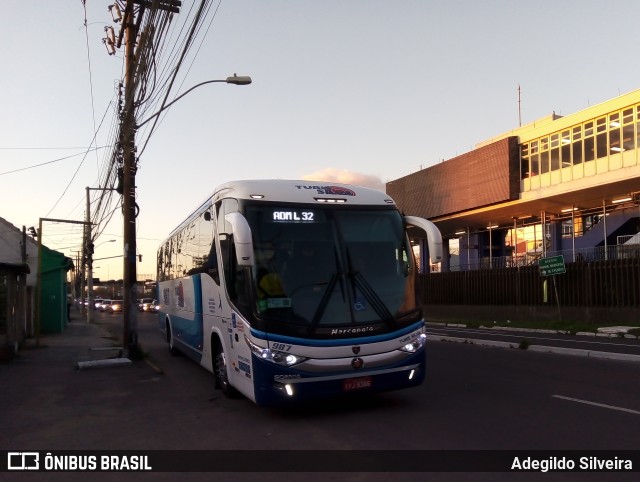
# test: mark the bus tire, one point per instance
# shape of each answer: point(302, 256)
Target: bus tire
point(169, 336)
point(221, 370)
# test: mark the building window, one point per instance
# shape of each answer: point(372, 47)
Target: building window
point(544, 155)
point(534, 159)
point(577, 227)
point(602, 149)
point(555, 152)
point(591, 220)
point(614, 133)
point(589, 142)
point(577, 145)
point(599, 138)
point(638, 125)
point(628, 137)
point(524, 161)
point(566, 148)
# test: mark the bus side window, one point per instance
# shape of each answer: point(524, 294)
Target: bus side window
point(210, 260)
point(211, 266)
point(236, 277)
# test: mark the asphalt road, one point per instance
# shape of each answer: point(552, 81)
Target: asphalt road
point(474, 398)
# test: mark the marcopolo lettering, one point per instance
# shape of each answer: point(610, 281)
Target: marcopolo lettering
point(352, 331)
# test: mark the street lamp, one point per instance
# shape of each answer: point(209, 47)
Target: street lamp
point(234, 79)
point(129, 161)
point(109, 241)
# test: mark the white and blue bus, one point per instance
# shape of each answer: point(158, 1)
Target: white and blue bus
point(294, 290)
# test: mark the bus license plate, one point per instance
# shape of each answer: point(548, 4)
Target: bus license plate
point(356, 383)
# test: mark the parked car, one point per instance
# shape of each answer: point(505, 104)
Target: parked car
point(115, 306)
point(145, 304)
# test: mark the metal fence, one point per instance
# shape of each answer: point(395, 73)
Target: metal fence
point(600, 253)
point(613, 282)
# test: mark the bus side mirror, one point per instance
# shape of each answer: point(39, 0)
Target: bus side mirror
point(434, 238)
point(241, 238)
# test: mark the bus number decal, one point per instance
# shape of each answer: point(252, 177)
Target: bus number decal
point(281, 347)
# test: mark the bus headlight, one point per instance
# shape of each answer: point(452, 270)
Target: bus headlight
point(416, 344)
point(274, 356)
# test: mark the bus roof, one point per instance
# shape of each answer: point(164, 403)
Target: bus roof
point(282, 190)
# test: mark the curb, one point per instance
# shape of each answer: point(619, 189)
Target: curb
point(110, 362)
point(542, 349)
point(606, 333)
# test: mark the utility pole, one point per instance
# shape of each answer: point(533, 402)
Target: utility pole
point(129, 30)
point(88, 247)
point(129, 308)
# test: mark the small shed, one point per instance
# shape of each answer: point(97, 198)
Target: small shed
point(53, 302)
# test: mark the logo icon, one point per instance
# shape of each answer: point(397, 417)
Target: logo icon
point(355, 349)
point(339, 190)
point(357, 363)
point(23, 461)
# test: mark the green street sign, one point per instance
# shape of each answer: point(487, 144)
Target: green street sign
point(551, 266)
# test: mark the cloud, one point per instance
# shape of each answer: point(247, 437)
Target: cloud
point(342, 176)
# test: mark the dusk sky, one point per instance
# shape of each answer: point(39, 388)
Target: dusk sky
point(357, 91)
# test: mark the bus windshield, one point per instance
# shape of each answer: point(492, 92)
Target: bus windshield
point(331, 271)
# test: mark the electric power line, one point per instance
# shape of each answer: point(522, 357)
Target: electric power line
point(53, 161)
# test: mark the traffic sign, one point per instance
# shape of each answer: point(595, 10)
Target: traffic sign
point(551, 266)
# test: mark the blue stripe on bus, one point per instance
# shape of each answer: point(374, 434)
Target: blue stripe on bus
point(339, 342)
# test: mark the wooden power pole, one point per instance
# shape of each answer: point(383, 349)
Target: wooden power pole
point(129, 305)
point(129, 30)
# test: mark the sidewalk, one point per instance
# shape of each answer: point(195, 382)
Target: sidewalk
point(49, 403)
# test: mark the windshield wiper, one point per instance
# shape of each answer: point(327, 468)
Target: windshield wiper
point(324, 301)
point(369, 293)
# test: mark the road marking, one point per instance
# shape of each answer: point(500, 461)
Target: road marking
point(586, 402)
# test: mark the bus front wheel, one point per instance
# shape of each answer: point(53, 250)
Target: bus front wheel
point(221, 370)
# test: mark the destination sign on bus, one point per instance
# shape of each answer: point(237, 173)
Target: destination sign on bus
point(295, 216)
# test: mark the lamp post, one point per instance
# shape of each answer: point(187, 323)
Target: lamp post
point(129, 128)
point(234, 79)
